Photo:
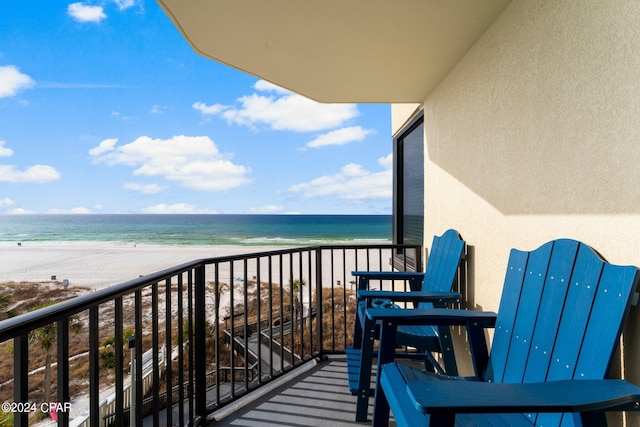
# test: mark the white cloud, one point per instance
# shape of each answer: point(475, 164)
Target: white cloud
point(158, 109)
point(285, 111)
point(36, 173)
point(386, 161)
point(193, 161)
point(144, 188)
point(209, 109)
point(105, 146)
point(125, 118)
point(351, 183)
point(5, 152)
point(78, 210)
point(340, 137)
point(20, 211)
point(265, 86)
point(7, 202)
point(124, 4)
point(267, 209)
point(12, 80)
point(181, 208)
point(83, 12)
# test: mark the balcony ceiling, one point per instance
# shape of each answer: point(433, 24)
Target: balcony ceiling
point(338, 50)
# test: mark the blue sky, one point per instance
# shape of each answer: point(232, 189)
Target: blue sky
point(105, 108)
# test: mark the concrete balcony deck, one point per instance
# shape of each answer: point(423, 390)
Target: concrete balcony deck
point(316, 394)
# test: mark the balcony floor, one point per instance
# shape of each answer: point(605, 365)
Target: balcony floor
point(317, 397)
point(316, 394)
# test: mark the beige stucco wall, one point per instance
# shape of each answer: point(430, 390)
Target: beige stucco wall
point(535, 135)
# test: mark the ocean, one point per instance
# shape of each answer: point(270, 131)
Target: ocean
point(237, 230)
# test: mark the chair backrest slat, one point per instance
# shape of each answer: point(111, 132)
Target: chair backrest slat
point(531, 295)
point(580, 303)
point(554, 294)
point(517, 282)
point(611, 306)
point(442, 265)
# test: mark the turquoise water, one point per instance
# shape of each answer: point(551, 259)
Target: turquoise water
point(247, 230)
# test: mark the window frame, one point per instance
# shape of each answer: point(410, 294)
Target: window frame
point(405, 260)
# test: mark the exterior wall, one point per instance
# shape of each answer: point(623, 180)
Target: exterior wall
point(401, 114)
point(534, 135)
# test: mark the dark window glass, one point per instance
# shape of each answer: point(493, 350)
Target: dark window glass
point(409, 187)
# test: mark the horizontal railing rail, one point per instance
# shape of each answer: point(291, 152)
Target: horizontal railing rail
point(229, 325)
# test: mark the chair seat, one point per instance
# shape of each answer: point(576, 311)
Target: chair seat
point(396, 379)
point(424, 338)
point(353, 369)
point(492, 420)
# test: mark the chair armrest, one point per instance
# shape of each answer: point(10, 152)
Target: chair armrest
point(475, 323)
point(388, 275)
point(447, 397)
point(414, 278)
point(434, 297)
point(434, 316)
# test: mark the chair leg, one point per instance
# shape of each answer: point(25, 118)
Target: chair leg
point(386, 352)
point(444, 420)
point(448, 354)
point(593, 419)
point(430, 364)
point(363, 283)
point(366, 361)
point(357, 330)
point(380, 409)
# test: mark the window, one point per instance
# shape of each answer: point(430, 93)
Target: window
point(408, 189)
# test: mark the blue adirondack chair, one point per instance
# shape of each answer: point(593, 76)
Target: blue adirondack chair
point(429, 289)
point(560, 318)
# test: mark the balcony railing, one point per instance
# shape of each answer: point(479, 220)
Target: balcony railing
point(200, 335)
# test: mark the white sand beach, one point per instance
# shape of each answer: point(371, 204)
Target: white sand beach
point(100, 265)
point(96, 265)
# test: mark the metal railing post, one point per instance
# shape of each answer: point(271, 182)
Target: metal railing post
point(200, 347)
point(318, 316)
point(133, 404)
point(94, 368)
point(63, 395)
point(168, 347)
point(155, 343)
point(137, 392)
point(119, 359)
point(21, 375)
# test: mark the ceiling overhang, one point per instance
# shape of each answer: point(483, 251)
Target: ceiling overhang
point(386, 51)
